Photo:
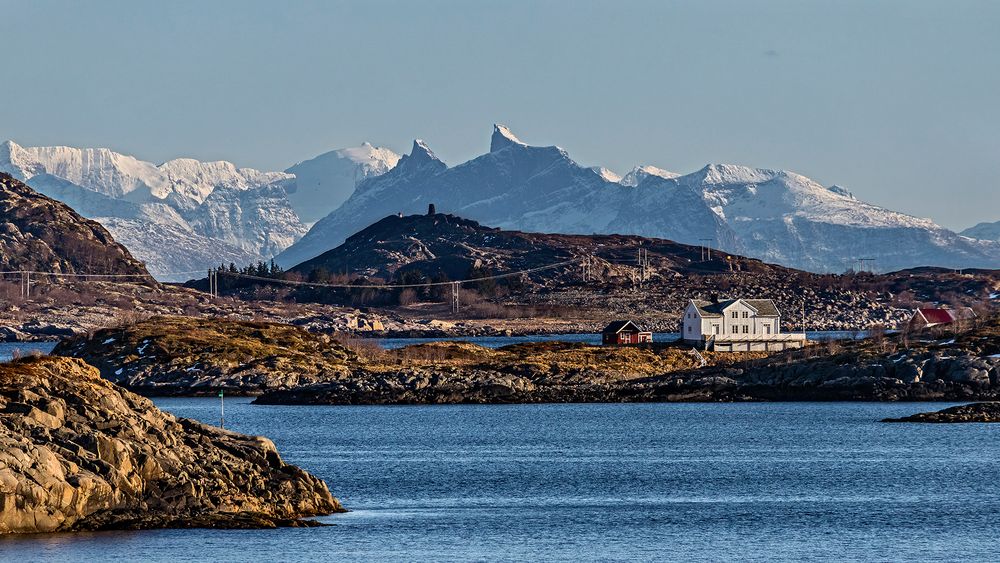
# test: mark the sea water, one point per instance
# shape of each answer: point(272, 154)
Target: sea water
point(753, 481)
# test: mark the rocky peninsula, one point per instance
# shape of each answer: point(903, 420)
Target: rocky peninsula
point(79, 453)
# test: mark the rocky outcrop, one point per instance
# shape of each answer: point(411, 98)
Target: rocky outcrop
point(976, 412)
point(79, 453)
point(167, 355)
point(966, 367)
point(41, 234)
point(285, 364)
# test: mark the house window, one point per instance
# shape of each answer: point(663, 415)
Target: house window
point(689, 328)
point(767, 328)
point(716, 327)
point(736, 314)
point(746, 329)
point(746, 314)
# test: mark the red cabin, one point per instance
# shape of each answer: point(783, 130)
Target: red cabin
point(622, 333)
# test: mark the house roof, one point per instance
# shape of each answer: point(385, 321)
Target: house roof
point(764, 307)
point(617, 326)
point(935, 315)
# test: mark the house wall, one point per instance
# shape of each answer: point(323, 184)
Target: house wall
point(738, 319)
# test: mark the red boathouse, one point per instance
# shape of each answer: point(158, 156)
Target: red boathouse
point(620, 333)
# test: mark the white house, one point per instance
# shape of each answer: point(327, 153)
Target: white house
point(736, 325)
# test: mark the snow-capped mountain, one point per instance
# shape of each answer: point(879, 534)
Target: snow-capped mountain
point(639, 173)
point(180, 216)
point(774, 215)
point(983, 231)
point(325, 182)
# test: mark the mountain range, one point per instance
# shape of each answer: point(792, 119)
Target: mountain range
point(774, 215)
point(184, 215)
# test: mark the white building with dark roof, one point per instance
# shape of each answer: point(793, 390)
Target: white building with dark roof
point(737, 325)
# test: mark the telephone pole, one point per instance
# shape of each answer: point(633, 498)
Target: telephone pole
point(454, 298)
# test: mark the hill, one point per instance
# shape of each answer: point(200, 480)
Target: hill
point(41, 234)
point(446, 247)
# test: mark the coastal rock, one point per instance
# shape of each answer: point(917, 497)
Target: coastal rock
point(190, 356)
point(80, 453)
point(976, 412)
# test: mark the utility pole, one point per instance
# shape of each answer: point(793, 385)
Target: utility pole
point(213, 283)
point(706, 248)
point(222, 409)
point(454, 297)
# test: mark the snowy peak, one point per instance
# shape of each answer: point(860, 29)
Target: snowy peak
point(722, 174)
point(99, 169)
point(420, 153)
point(326, 181)
point(606, 174)
point(640, 173)
point(118, 175)
point(502, 138)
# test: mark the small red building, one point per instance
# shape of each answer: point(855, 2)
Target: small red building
point(620, 333)
point(931, 317)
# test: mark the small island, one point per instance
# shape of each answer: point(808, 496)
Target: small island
point(975, 412)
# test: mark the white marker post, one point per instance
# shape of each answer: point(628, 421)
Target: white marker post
point(222, 410)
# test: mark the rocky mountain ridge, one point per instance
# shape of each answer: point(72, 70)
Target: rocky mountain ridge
point(774, 215)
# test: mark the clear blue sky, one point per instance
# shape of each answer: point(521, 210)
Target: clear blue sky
point(898, 101)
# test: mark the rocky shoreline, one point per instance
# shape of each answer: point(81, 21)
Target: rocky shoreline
point(288, 365)
point(79, 453)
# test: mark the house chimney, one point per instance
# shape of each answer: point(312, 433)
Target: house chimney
point(431, 210)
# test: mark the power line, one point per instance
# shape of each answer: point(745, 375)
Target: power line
point(406, 285)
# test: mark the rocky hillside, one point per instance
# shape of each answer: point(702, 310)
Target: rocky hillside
point(79, 453)
point(41, 234)
point(199, 356)
point(452, 248)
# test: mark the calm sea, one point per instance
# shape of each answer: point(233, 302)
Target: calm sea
point(765, 481)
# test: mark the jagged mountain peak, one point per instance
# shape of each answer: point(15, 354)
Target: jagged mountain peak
point(502, 138)
point(420, 153)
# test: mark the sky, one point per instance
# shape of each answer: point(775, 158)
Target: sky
point(899, 101)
